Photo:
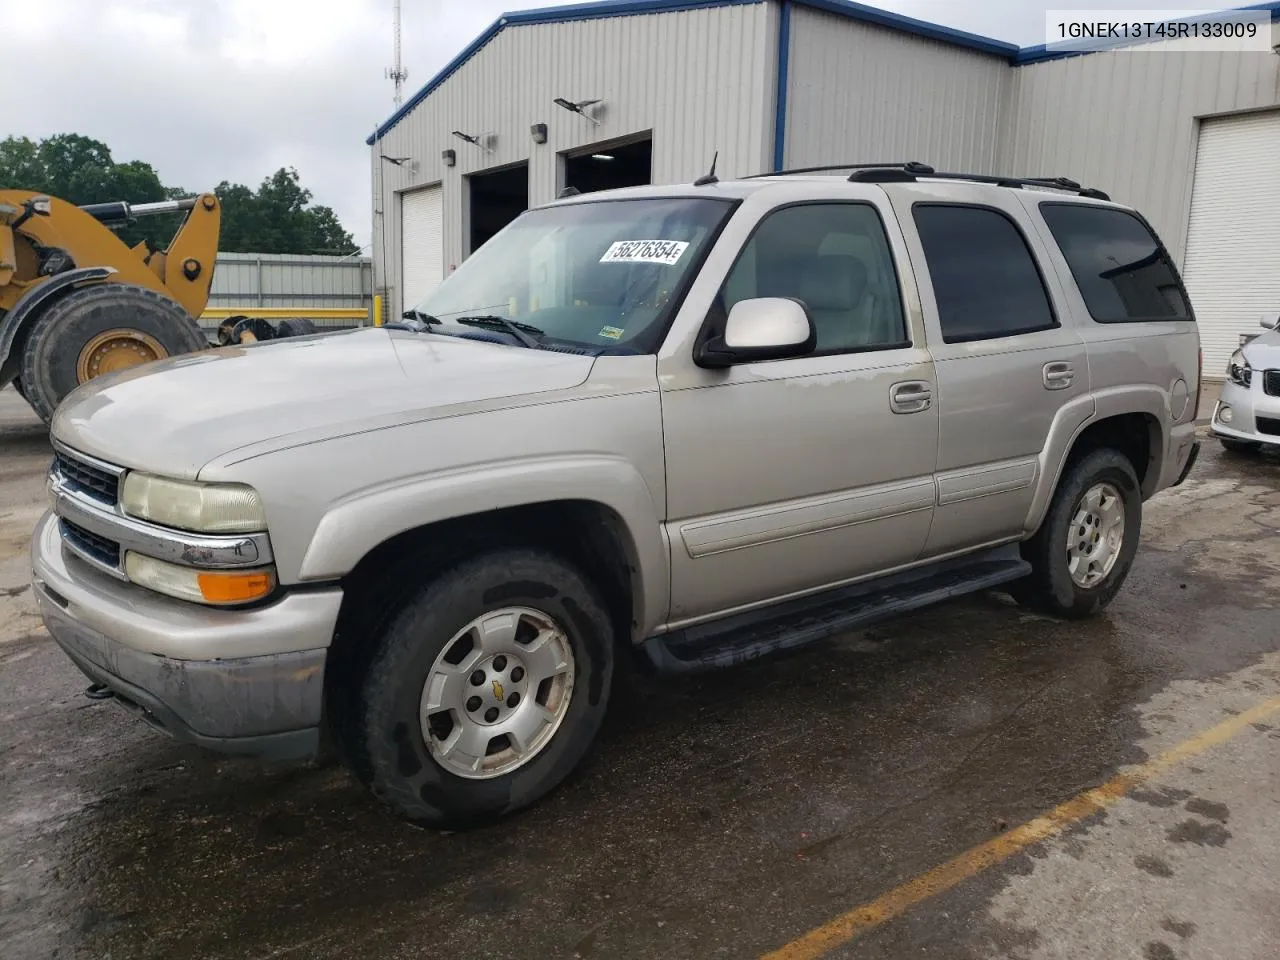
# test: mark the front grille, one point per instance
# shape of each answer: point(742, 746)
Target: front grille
point(1269, 426)
point(87, 479)
point(99, 548)
point(1271, 383)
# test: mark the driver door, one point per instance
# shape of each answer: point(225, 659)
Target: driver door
point(788, 476)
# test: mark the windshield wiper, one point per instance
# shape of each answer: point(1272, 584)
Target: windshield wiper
point(416, 314)
point(524, 332)
point(415, 321)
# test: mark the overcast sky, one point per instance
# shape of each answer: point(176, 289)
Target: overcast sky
point(211, 90)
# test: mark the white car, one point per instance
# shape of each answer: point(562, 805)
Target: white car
point(1247, 414)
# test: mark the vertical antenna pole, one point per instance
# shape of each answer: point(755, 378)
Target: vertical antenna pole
point(397, 73)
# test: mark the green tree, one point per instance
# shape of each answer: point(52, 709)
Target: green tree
point(276, 218)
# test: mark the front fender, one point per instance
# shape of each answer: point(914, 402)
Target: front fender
point(352, 528)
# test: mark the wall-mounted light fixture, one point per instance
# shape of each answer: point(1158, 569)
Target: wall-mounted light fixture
point(450, 157)
point(539, 132)
point(404, 163)
point(579, 107)
point(484, 141)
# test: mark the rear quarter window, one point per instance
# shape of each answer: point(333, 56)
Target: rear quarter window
point(1123, 272)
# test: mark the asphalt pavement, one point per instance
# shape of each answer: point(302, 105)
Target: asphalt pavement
point(972, 781)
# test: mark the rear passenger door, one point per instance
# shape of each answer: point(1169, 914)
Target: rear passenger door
point(1009, 363)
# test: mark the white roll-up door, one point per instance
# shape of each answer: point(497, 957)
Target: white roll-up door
point(1232, 266)
point(421, 243)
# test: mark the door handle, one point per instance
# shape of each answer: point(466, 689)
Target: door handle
point(1058, 375)
point(911, 396)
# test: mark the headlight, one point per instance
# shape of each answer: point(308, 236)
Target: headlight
point(1238, 369)
point(202, 586)
point(201, 507)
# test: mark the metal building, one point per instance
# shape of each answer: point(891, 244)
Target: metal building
point(651, 90)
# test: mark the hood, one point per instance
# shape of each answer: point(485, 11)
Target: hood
point(174, 416)
point(1263, 353)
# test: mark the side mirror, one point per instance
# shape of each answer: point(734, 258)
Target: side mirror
point(1270, 321)
point(765, 328)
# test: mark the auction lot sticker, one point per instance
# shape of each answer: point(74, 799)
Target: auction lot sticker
point(667, 252)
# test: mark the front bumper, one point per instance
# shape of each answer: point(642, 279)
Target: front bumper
point(1255, 415)
point(238, 681)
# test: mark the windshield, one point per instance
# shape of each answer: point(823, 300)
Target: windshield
point(599, 275)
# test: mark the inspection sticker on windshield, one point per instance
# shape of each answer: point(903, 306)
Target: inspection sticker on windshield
point(611, 333)
point(645, 251)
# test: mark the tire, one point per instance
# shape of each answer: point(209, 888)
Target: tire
point(251, 330)
point(1051, 586)
point(297, 327)
point(17, 385)
point(226, 329)
point(69, 325)
point(387, 744)
point(1240, 446)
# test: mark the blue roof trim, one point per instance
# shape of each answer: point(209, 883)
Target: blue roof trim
point(1016, 55)
point(921, 28)
point(1042, 52)
point(582, 11)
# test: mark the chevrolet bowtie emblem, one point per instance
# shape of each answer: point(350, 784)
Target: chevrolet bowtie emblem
point(497, 689)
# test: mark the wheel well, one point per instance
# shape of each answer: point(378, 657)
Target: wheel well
point(587, 534)
point(1136, 435)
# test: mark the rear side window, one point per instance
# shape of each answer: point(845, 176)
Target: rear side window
point(1123, 273)
point(984, 279)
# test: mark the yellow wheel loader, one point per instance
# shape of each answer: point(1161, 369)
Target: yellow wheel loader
point(76, 302)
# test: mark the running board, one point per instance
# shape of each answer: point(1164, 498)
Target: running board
point(747, 636)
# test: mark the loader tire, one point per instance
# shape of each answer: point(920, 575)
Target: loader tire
point(97, 330)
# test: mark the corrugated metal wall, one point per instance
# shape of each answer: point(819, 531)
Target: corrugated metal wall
point(291, 280)
point(863, 93)
point(1127, 122)
point(701, 80)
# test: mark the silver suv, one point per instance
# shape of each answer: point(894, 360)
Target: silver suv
point(699, 423)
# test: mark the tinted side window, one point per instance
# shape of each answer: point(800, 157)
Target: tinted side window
point(1122, 272)
point(835, 258)
point(984, 279)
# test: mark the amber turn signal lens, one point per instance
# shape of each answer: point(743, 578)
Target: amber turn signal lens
point(235, 587)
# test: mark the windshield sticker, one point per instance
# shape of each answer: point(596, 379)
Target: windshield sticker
point(612, 333)
point(645, 251)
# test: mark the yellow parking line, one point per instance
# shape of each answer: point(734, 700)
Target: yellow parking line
point(845, 927)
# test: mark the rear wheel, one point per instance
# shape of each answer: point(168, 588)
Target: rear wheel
point(485, 691)
point(1083, 550)
point(97, 330)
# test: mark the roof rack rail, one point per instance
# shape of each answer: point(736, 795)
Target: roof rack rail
point(923, 169)
point(903, 173)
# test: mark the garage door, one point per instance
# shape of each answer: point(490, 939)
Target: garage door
point(1232, 267)
point(421, 243)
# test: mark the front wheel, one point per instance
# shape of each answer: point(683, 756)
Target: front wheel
point(1083, 550)
point(486, 690)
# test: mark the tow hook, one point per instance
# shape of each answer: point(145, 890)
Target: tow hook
point(98, 691)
